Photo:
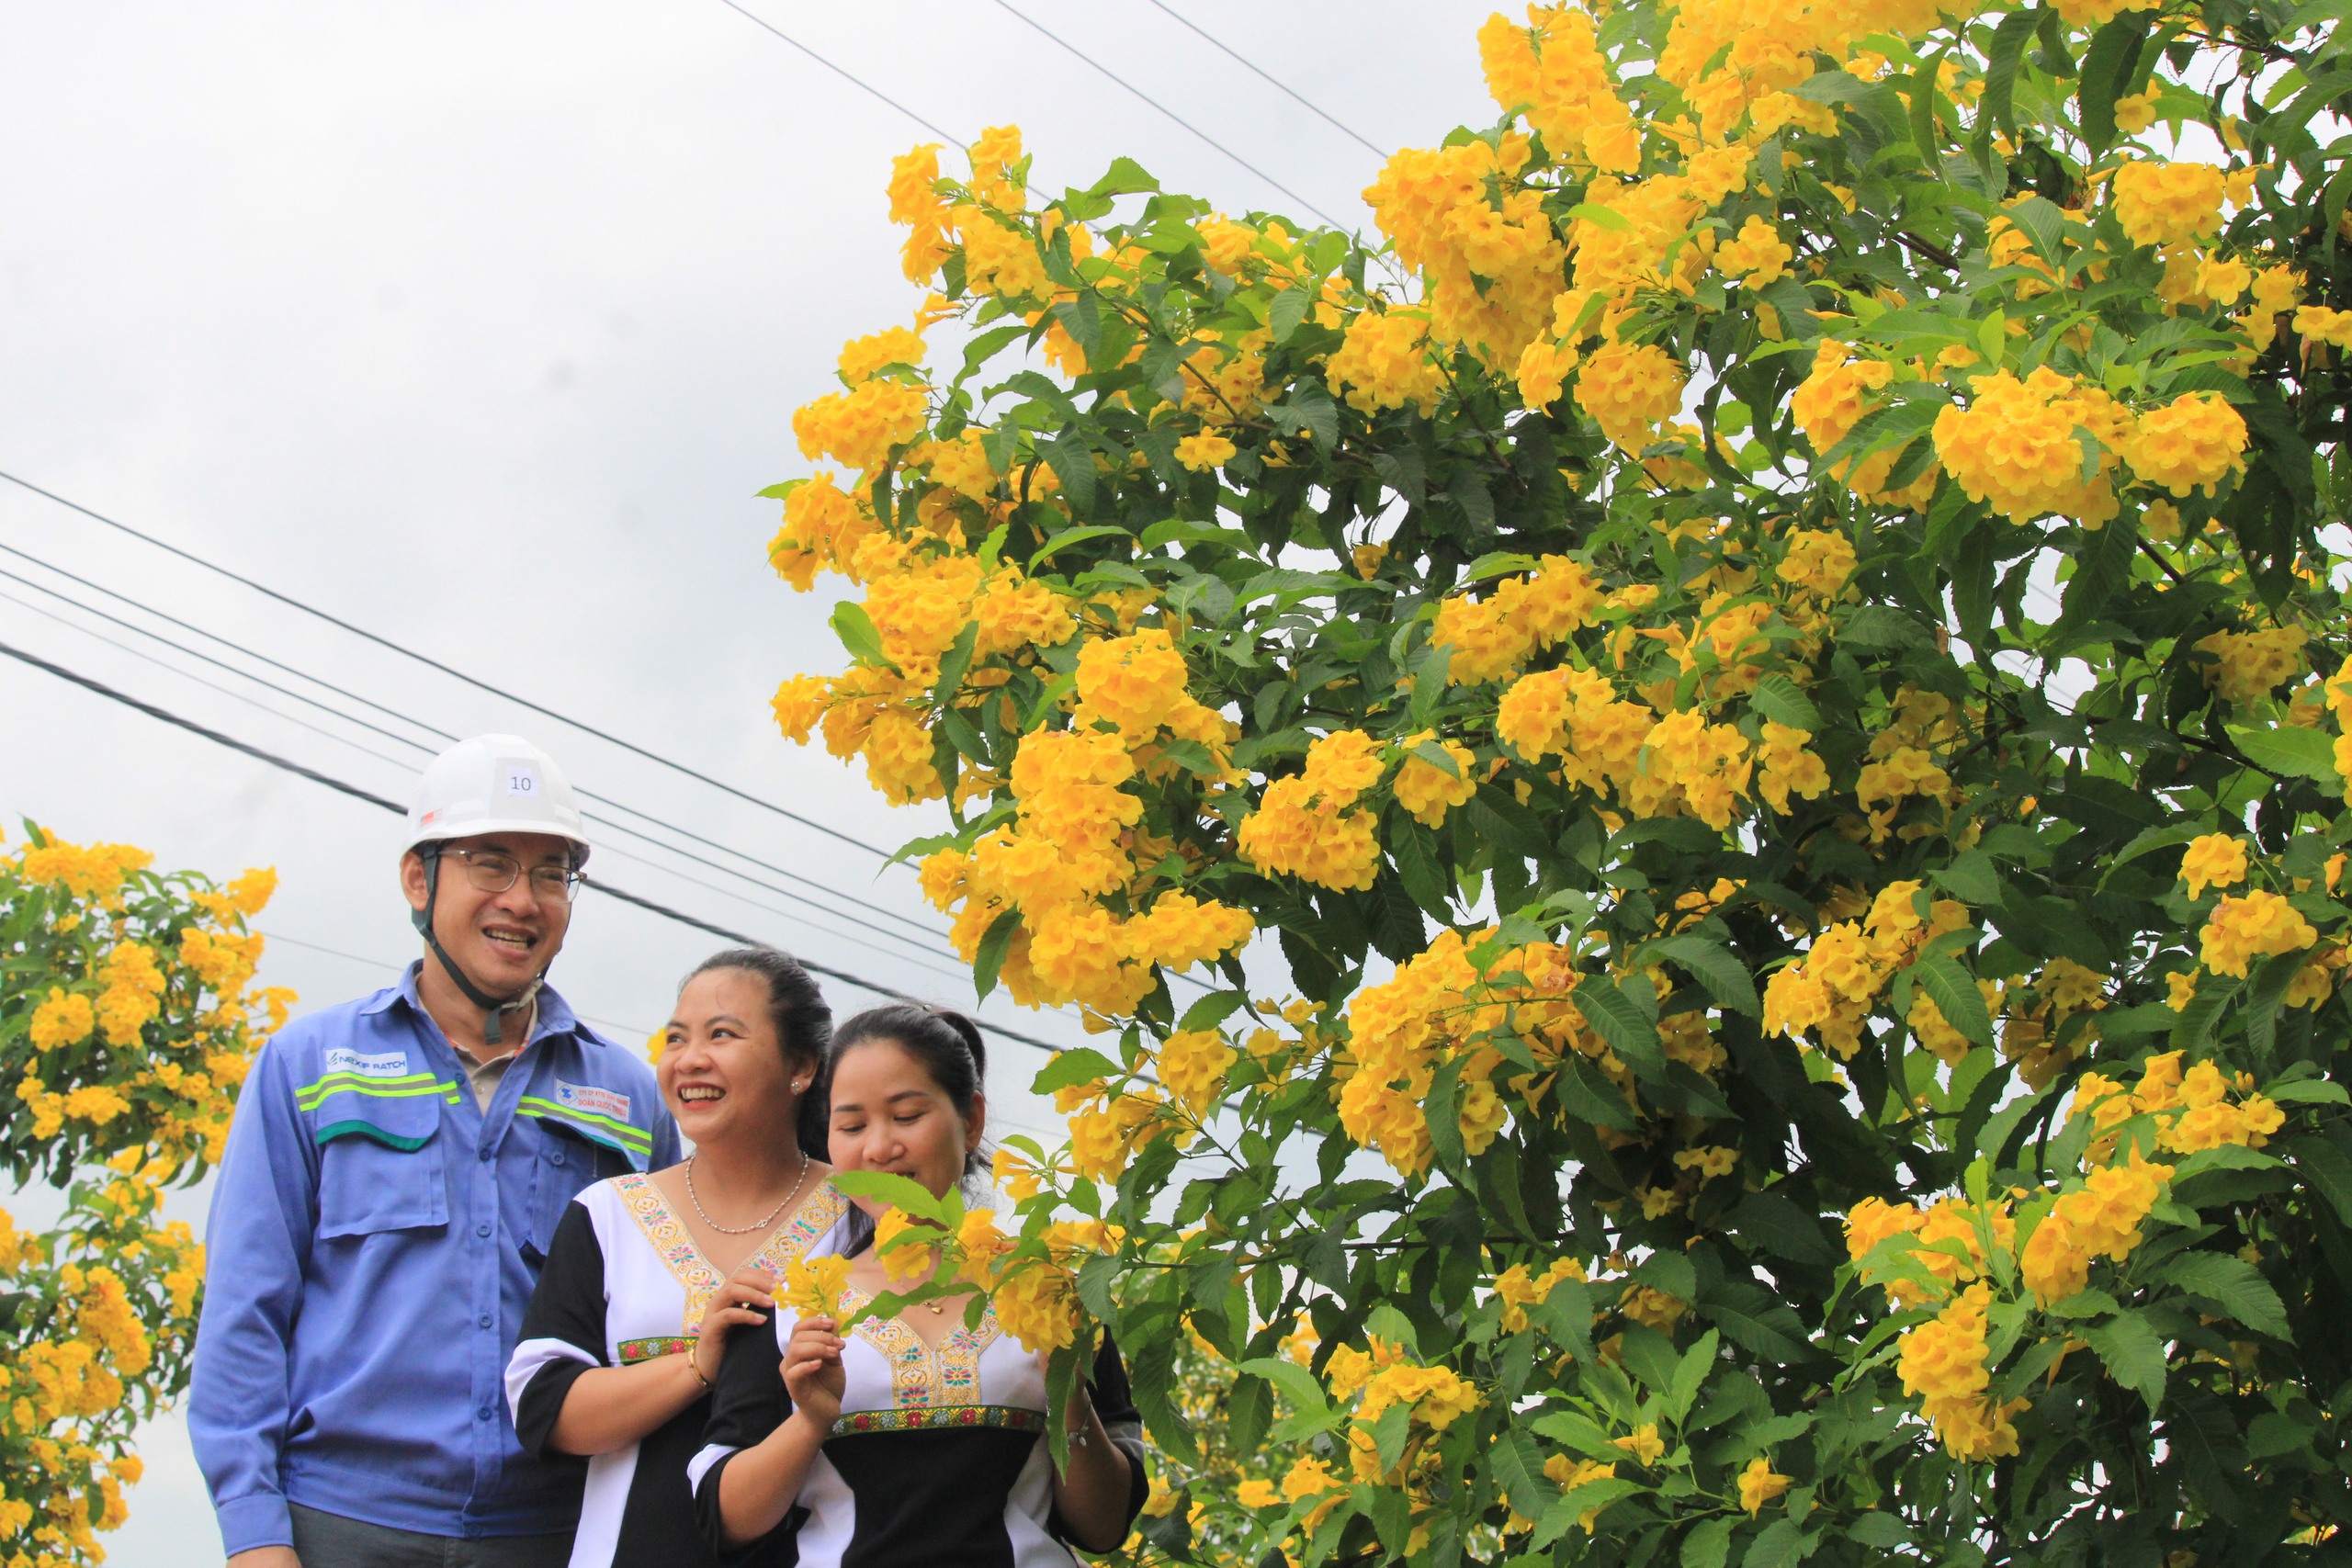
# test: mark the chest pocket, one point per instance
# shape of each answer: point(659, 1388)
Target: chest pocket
point(569, 1162)
point(375, 1171)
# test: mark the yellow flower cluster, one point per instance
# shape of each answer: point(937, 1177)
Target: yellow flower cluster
point(2191, 1109)
point(1831, 990)
point(1313, 824)
point(1942, 1364)
point(2014, 446)
point(2100, 1219)
point(1832, 400)
point(2257, 924)
point(1492, 638)
point(1518, 1289)
point(1657, 767)
point(94, 873)
point(2214, 859)
point(2167, 203)
point(2247, 665)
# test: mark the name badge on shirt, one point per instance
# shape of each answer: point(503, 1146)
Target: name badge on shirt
point(388, 1064)
point(592, 1101)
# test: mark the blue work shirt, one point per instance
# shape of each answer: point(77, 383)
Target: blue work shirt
point(374, 1238)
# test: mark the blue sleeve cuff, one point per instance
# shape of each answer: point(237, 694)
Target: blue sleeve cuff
point(259, 1520)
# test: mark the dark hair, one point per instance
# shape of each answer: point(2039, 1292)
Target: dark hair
point(948, 1045)
point(803, 1027)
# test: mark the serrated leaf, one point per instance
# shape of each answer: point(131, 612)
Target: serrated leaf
point(2233, 1285)
point(989, 957)
point(2291, 751)
point(1780, 700)
point(1954, 992)
point(1069, 1068)
point(855, 629)
point(1726, 978)
point(1519, 1465)
point(1708, 1545)
point(1213, 1009)
point(2133, 1354)
point(898, 1191)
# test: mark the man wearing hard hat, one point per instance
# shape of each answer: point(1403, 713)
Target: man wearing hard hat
point(393, 1177)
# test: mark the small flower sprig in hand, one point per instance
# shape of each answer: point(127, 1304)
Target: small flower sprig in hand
point(934, 1247)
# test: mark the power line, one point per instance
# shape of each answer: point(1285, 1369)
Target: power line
point(619, 1030)
point(145, 608)
point(432, 663)
point(371, 798)
point(862, 86)
point(1274, 82)
point(1164, 109)
point(830, 891)
point(606, 822)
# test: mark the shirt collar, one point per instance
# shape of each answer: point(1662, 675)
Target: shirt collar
point(555, 1016)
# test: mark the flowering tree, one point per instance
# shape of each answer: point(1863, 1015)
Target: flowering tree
point(1769, 667)
point(125, 1023)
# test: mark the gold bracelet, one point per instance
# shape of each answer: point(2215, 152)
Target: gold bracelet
point(695, 1366)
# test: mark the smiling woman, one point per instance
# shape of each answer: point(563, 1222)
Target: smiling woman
point(646, 1273)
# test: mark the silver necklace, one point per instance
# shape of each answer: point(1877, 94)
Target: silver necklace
point(756, 1225)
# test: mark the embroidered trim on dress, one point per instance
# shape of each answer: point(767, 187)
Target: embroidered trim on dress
point(668, 1236)
point(947, 1375)
point(635, 1351)
point(1004, 1416)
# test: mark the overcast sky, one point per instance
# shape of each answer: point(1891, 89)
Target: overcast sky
point(478, 325)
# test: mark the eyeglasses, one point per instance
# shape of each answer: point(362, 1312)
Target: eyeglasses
point(494, 870)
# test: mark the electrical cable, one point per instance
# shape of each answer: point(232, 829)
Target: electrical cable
point(1270, 81)
point(591, 795)
point(838, 70)
point(1163, 108)
point(355, 791)
point(618, 1031)
point(394, 762)
point(432, 663)
point(145, 608)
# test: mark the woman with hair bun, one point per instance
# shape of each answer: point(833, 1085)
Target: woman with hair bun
point(645, 1274)
point(914, 1439)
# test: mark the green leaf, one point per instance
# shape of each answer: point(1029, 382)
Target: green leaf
point(2326, 1169)
point(898, 1191)
point(2001, 62)
point(2044, 224)
point(1616, 1018)
point(1690, 1377)
point(1073, 463)
point(952, 665)
point(2231, 1284)
point(1519, 1465)
point(2135, 1356)
point(1726, 978)
point(1953, 990)
point(989, 956)
point(1973, 878)
point(1781, 1543)
point(1708, 1545)
point(1780, 700)
point(2291, 752)
point(2108, 66)
point(1882, 1532)
point(1069, 1068)
point(2102, 566)
point(1213, 1009)
point(1070, 537)
point(1289, 309)
point(855, 629)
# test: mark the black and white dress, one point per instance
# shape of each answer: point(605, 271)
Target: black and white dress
point(623, 1283)
point(939, 1458)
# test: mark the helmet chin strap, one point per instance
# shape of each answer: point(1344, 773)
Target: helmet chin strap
point(494, 1010)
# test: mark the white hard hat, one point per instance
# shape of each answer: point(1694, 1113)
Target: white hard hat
point(494, 784)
